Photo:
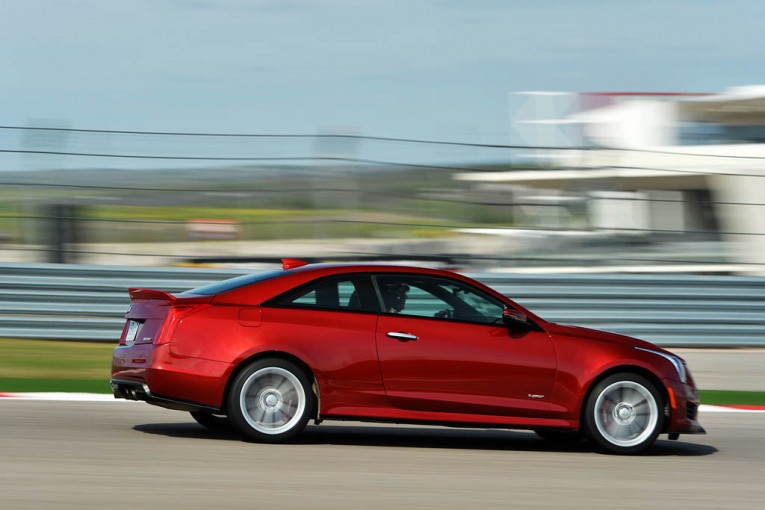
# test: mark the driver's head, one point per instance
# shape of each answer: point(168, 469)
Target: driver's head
point(394, 296)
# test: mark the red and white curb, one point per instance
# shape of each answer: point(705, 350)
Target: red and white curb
point(102, 397)
point(732, 409)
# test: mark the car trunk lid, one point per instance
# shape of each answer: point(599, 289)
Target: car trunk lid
point(153, 314)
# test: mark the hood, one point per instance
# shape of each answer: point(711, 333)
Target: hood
point(601, 336)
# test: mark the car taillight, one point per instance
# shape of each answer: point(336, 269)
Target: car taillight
point(174, 317)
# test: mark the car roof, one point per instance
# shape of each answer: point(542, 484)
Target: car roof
point(259, 292)
point(368, 267)
point(282, 281)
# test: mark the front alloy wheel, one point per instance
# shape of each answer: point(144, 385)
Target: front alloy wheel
point(270, 401)
point(624, 414)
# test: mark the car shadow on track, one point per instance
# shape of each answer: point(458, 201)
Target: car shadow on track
point(424, 437)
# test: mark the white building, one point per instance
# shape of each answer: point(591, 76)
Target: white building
point(676, 163)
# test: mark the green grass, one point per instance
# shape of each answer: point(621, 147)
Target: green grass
point(184, 213)
point(46, 365)
point(259, 224)
point(54, 360)
point(726, 397)
point(19, 385)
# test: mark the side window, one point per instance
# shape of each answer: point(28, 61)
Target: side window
point(417, 301)
point(437, 298)
point(352, 293)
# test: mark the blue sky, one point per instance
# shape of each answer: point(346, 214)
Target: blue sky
point(437, 69)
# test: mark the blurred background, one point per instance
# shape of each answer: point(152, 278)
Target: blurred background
point(237, 132)
point(600, 162)
point(611, 181)
point(494, 137)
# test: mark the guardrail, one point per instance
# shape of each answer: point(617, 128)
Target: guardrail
point(74, 302)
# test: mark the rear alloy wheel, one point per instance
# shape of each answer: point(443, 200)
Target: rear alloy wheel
point(270, 401)
point(211, 421)
point(624, 414)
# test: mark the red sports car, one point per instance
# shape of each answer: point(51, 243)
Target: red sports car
point(265, 353)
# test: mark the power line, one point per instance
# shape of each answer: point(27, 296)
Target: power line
point(140, 156)
point(373, 193)
point(359, 137)
point(353, 137)
point(690, 154)
point(245, 158)
point(356, 160)
point(289, 136)
point(679, 171)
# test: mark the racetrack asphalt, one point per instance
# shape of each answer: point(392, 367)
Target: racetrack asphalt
point(118, 454)
point(75, 455)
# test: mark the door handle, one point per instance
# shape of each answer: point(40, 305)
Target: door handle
point(404, 337)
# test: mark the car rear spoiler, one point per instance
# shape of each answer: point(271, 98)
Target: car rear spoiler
point(150, 294)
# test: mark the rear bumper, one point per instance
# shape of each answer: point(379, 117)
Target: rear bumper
point(140, 391)
point(130, 390)
point(153, 374)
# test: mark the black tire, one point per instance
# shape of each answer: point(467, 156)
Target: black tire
point(211, 421)
point(560, 436)
point(270, 401)
point(623, 414)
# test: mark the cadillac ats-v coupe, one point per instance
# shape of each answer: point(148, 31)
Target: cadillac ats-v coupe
point(265, 353)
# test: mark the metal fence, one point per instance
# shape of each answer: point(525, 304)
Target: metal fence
point(74, 302)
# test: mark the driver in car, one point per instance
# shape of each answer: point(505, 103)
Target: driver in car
point(395, 296)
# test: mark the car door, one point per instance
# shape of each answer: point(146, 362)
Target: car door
point(329, 323)
point(443, 347)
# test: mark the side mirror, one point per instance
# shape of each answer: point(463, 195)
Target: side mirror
point(510, 316)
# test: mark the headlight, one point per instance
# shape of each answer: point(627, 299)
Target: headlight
point(678, 363)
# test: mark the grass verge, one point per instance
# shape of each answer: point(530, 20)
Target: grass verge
point(725, 397)
point(20, 385)
point(46, 365)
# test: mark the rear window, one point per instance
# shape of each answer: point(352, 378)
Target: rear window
point(235, 283)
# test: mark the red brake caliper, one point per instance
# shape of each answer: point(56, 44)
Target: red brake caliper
point(289, 404)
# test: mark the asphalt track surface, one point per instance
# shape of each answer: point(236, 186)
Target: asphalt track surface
point(75, 455)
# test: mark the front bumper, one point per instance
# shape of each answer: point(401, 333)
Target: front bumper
point(683, 409)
